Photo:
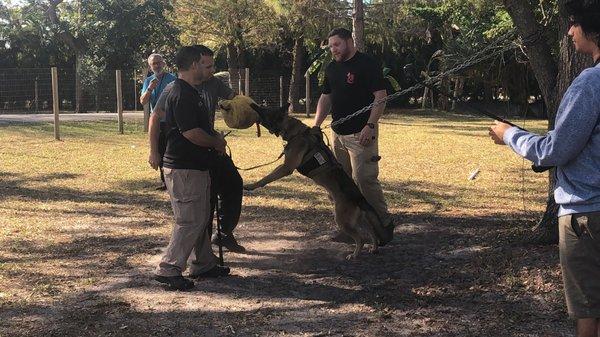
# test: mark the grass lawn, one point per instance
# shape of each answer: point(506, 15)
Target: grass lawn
point(81, 228)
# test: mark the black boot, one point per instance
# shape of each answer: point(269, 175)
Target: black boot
point(228, 241)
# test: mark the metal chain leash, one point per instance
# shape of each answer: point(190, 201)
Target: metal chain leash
point(492, 50)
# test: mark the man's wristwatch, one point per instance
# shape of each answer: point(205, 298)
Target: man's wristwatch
point(371, 125)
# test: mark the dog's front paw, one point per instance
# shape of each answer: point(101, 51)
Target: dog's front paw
point(250, 187)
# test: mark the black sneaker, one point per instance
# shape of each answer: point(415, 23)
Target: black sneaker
point(228, 241)
point(175, 282)
point(342, 237)
point(216, 271)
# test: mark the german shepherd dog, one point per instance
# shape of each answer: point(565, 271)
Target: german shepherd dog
point(306, 152)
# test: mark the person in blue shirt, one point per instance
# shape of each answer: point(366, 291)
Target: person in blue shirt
point(573, 147)
point(151, 90)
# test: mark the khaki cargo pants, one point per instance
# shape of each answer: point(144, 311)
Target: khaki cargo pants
point(189, 191)
point(358, 162)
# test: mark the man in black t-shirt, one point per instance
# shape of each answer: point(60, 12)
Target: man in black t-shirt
point(352, 81)
point(226, 181)
point(191, 149)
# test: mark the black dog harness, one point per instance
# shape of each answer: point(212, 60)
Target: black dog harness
point(319, 156)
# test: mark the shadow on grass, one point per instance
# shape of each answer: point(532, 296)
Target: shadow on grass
point(442, 275)
point(130, 192)
point(403, 193)
point(417, 277)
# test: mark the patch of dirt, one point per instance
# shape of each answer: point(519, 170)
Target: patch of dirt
point(443, 275)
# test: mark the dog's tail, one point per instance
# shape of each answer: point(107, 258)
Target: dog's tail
point(351, 191)
point(374, 219)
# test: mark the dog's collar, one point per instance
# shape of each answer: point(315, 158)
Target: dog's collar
point(289, 139)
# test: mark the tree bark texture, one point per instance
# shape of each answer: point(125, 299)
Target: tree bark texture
point(77, 46)
point(358, 24)
point(297, 75)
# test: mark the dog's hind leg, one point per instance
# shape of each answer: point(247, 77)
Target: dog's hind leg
point(384, 233)
point(374, 242)
point(358, 244)
point(346, 219)
point(371, 233)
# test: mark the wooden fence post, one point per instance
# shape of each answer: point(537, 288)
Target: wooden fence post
point(146, 116)
point(247, 83)
point(37, 96)
point(55, 106)
point(307, 101)
point(119, 100)
point(134, 92)
point(280, 91)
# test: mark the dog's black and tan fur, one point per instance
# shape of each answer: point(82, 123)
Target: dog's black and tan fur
point(353, 214)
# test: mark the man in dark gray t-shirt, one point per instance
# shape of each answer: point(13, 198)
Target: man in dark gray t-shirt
point(211, 91)
point(226, 181)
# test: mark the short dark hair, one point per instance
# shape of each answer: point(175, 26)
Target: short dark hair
point(586, 14)
point(186, 56)
point(204, 50)
point(342, 33)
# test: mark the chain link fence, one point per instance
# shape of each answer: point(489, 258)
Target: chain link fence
point(273, 87)
point(29, 90)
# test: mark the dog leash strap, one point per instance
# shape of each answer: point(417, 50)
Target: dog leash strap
point(262, 165)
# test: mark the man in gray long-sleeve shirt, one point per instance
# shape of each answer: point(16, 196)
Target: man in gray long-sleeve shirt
point(573, 147)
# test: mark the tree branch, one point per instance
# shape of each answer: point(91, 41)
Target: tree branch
point(64, 34)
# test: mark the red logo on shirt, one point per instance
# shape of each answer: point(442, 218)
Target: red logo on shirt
point(350, 78)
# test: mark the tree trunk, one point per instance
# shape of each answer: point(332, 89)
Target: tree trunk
point(78, 83)
point(358, 24)
point(297, 75)
point(76, 44)
point(233, 66)
point(553, 79)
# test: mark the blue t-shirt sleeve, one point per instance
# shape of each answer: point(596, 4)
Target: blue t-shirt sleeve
point(577, 116)
point(146, 84)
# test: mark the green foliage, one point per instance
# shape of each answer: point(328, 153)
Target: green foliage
point(25, 40)
point(112, 34)
point(218, 23)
